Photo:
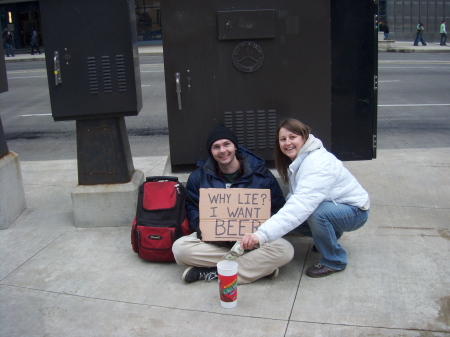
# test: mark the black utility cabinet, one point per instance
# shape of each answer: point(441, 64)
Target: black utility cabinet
point(92, 58)
point(3, 77)
point(93, 77)
point(354, 79)
point(249, 64)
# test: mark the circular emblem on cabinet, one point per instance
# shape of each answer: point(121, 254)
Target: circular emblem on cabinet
point(248, 56)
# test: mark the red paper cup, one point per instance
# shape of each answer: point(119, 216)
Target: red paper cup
point(227, 272)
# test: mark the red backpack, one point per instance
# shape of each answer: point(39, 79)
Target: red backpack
point(160, 218)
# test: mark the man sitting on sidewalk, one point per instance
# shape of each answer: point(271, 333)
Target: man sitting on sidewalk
point(229, 166)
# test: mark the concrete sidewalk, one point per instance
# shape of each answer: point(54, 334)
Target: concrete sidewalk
point(408, 47)
point(58, 280)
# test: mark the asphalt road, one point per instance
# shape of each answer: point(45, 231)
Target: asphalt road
point(413, 100)
point(413, 108)
point(31, 131)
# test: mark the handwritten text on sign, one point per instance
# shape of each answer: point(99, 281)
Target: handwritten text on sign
point(227, 214)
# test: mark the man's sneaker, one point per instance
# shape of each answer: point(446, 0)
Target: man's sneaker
point(193, 274)
point(274, 273)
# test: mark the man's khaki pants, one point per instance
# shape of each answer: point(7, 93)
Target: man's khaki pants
point(253, 265)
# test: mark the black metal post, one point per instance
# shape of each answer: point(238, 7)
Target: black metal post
point(103, 151)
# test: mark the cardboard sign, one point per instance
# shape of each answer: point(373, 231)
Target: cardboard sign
point(227, 214)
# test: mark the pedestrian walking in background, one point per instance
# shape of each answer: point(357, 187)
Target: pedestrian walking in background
point(386, 30)
point(419, 34)
point(443, 34)
point(34, 43)
point(8, 41)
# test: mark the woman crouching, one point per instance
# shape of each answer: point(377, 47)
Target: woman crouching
point(324, 201)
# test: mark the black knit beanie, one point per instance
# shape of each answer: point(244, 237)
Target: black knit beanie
point(220, 132)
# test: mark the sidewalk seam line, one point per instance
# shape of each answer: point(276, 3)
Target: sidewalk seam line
point(298, 288)
point(40, 250)
point(141, 304)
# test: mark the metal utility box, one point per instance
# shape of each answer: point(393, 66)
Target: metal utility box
point(250, 64)
point(92, 58)
point(3, 77)
point(354, 79)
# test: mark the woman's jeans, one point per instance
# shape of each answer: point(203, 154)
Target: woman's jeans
point(327, 224)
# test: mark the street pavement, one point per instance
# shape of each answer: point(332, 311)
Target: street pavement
point(59, 280)
point(383, 46)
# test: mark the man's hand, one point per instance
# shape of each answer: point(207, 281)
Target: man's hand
point(249, 241)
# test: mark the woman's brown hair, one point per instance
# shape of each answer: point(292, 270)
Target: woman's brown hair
point(282, 161)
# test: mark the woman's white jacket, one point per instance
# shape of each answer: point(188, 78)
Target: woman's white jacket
point(315, 176)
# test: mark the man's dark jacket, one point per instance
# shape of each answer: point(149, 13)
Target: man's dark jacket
point(255, 175)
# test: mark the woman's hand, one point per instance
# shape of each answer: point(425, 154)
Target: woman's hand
point(249, 241)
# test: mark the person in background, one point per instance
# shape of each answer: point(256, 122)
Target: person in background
point(419, 35)
point(324, 201)
point(34, 43)
point(443, 34)
point(229, 166)
point(8, 41)
point(386, 30)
